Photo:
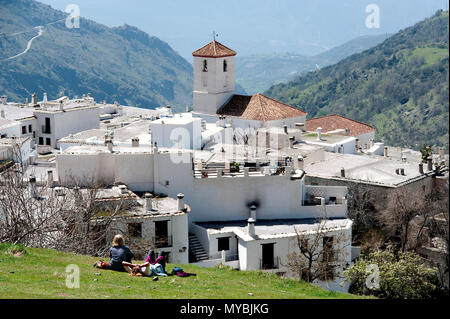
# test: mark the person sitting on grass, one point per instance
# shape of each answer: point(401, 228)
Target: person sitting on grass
point(160, 260)
point(118, 254)
point(146, 269)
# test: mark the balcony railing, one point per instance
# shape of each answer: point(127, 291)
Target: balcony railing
point(275, 264)
point(162, 242)
point(46, 129)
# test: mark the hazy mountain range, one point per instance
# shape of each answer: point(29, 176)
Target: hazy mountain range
point(257, 73)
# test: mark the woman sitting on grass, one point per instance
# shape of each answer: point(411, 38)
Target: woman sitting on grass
point(146, 269)
point(118, 254)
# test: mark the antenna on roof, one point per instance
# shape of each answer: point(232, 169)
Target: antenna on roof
point(215, 35)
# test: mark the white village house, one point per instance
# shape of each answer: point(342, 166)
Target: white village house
point(244, 164)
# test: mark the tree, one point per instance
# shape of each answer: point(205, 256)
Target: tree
point(319, 253)
point(401, 208)
point(385, 274)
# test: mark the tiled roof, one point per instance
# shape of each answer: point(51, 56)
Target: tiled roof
point(335, 122)
point(214, 49)
point(258, 107)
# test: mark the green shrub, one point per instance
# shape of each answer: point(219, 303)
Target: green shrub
point(401, 275)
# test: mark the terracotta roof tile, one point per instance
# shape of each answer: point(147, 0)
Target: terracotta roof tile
point(335, 122)
point(214, 49)
point(258, 107)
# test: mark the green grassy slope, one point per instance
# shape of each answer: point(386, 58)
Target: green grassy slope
point(400, 86)
point(120, 64)
point(40, 273)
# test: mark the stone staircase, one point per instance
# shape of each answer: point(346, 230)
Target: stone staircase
point(196, 251)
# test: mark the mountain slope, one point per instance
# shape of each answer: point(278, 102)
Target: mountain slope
point(120, 64)
point(400, 86)
point(257, 73)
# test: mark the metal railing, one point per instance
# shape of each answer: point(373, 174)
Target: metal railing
point(46, 129)
point(266, 266)
point(162, 242)
point(265, 170)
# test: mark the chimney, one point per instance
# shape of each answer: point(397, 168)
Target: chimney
point(300, 126)
point(251, 227)
point(187, 108)
point(319, 133)
point(45, 97)
point(342, 172)
point(61, 105)
point(135, 142)
point(49, 178)
point(109, 143)
point(430, 163)
point(285, 129)
point(33, 190)
point(347, 131)
point(148, 202)
point(421, 168)
point(253, 212)
point(180, 202)
point(300, 162)
point(28, 100)
point(385, 151)
point(291, 141)
point(34, 99)
point(4, 99)
point(123, 189)
point(357, 144)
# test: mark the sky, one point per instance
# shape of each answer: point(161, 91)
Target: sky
point(257, 26)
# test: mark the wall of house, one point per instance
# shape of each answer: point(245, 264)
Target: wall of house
point(67, 122)
point(177, 228)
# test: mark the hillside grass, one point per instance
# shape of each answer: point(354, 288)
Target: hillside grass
point(41, 273)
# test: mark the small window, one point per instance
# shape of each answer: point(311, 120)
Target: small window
point(41, 141)
point(225, 66)
point(30, 128)
point(135, 229)
point(205, 65)
point(24, 130)
point(48, 141)
point(223, 243)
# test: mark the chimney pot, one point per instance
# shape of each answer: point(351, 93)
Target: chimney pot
point(430, 163)
point(285, 129)
point(135, 142)
point(342, 172)
point(4, 99)
point(421, 168)
point(148, 202)
point(319, 133)
point(385, 151)
point(180, 197)
point(34, 98)
point(50, 178)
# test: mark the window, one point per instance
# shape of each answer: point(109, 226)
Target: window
point(135, 229)
point(161, 238)
point(48, 141)
point(46, 127)
point(223, 243)
point(205, 65)
point(30, 128)
point(41, 141)
point(24, 130)
point(225, 66)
